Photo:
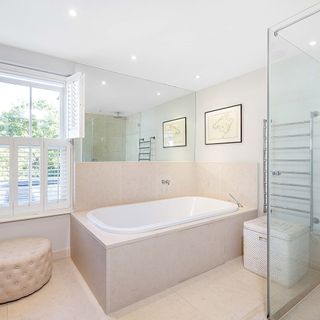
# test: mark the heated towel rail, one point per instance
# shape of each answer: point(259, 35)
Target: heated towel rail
point(289, 153)
point(145, 149)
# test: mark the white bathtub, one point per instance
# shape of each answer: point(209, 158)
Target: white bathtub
point(153, 215)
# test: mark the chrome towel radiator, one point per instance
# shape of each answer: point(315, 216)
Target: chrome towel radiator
point(289, 155)
point(145, 149)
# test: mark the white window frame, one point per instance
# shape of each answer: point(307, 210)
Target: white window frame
point(30, 85)
point(35, 79)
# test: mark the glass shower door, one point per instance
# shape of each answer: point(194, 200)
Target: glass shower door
point(293, 162)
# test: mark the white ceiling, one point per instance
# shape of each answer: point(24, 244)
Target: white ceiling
point(174, 40)
point(303, 36)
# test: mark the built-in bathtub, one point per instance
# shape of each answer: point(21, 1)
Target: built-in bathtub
point(160, 214)
point(129, 252)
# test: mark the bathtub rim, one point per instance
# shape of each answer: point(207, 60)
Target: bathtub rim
point(159, 226)
point(112, 240)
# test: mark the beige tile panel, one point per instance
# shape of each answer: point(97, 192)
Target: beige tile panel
point(90, 258)
point(101, 184)
point(233, 240)
point(217, 180)
point(181, 176)
point(97, 184)
point(140, 269)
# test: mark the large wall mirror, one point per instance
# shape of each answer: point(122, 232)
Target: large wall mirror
point(132, 119)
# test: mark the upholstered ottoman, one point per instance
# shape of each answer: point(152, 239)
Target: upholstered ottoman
point(25, 266)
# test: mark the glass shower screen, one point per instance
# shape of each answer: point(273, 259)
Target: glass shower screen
point(293, 161)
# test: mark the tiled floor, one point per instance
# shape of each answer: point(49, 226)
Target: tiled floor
point(308, 308)
point(228, 292)
point(280, 295)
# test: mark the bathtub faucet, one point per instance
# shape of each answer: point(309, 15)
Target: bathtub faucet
point(239, 204)
point(165, 182)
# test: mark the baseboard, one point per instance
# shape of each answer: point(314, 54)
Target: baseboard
point(61, 254)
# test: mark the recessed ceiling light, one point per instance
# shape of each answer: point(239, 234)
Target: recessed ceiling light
point(133, 58)
point(197, 76)
point(158, 93)
point(73, 13)
point(312, 43)
point(103, 82)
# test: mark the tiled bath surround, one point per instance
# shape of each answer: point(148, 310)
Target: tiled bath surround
point(122, 269)
point(101, 184)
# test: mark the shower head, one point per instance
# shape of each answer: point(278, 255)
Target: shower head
point(117, 115)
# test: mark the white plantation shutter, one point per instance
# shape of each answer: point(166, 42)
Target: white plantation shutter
point(35, 176)
point(57, 154)
point(28, 179)
point(75, 106)
point(5, 187)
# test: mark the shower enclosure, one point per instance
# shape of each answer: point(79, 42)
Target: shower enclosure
point(293, 161)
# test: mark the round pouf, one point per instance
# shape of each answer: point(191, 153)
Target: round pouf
point(25, 266)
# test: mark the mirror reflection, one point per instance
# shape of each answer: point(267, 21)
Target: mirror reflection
point(132, 119)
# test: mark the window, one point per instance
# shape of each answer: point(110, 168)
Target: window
point(37, 119)
point(26, 110)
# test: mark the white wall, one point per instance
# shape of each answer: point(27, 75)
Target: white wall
point(250, 91)
point(55, 228)
point(36, 60)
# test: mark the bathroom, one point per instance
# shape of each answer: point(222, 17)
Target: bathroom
point(159, 160)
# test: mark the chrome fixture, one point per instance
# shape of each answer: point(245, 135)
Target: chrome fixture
point(167, 182)
point(276, 32)
point(118, 115)
point(145, 149)
point(279, 177)
point(239, 204)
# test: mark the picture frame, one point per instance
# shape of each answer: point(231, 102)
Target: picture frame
point(174, 133)
point(223, 125)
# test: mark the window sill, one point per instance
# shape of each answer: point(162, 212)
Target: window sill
point(35, 216)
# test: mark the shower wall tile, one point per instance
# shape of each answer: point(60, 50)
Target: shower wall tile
point(101, 184)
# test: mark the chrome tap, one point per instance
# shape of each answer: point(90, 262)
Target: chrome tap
point(239, 204)
point(165, 182)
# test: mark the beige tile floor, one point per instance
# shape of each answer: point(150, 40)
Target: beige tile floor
point(280, 295)
point(228, 292)
point(307, 309)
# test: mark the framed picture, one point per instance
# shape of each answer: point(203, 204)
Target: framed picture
point(175, 133)
point(223, 125)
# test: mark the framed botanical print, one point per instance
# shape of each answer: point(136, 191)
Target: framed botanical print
point(175, 133)
point(223, 125)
